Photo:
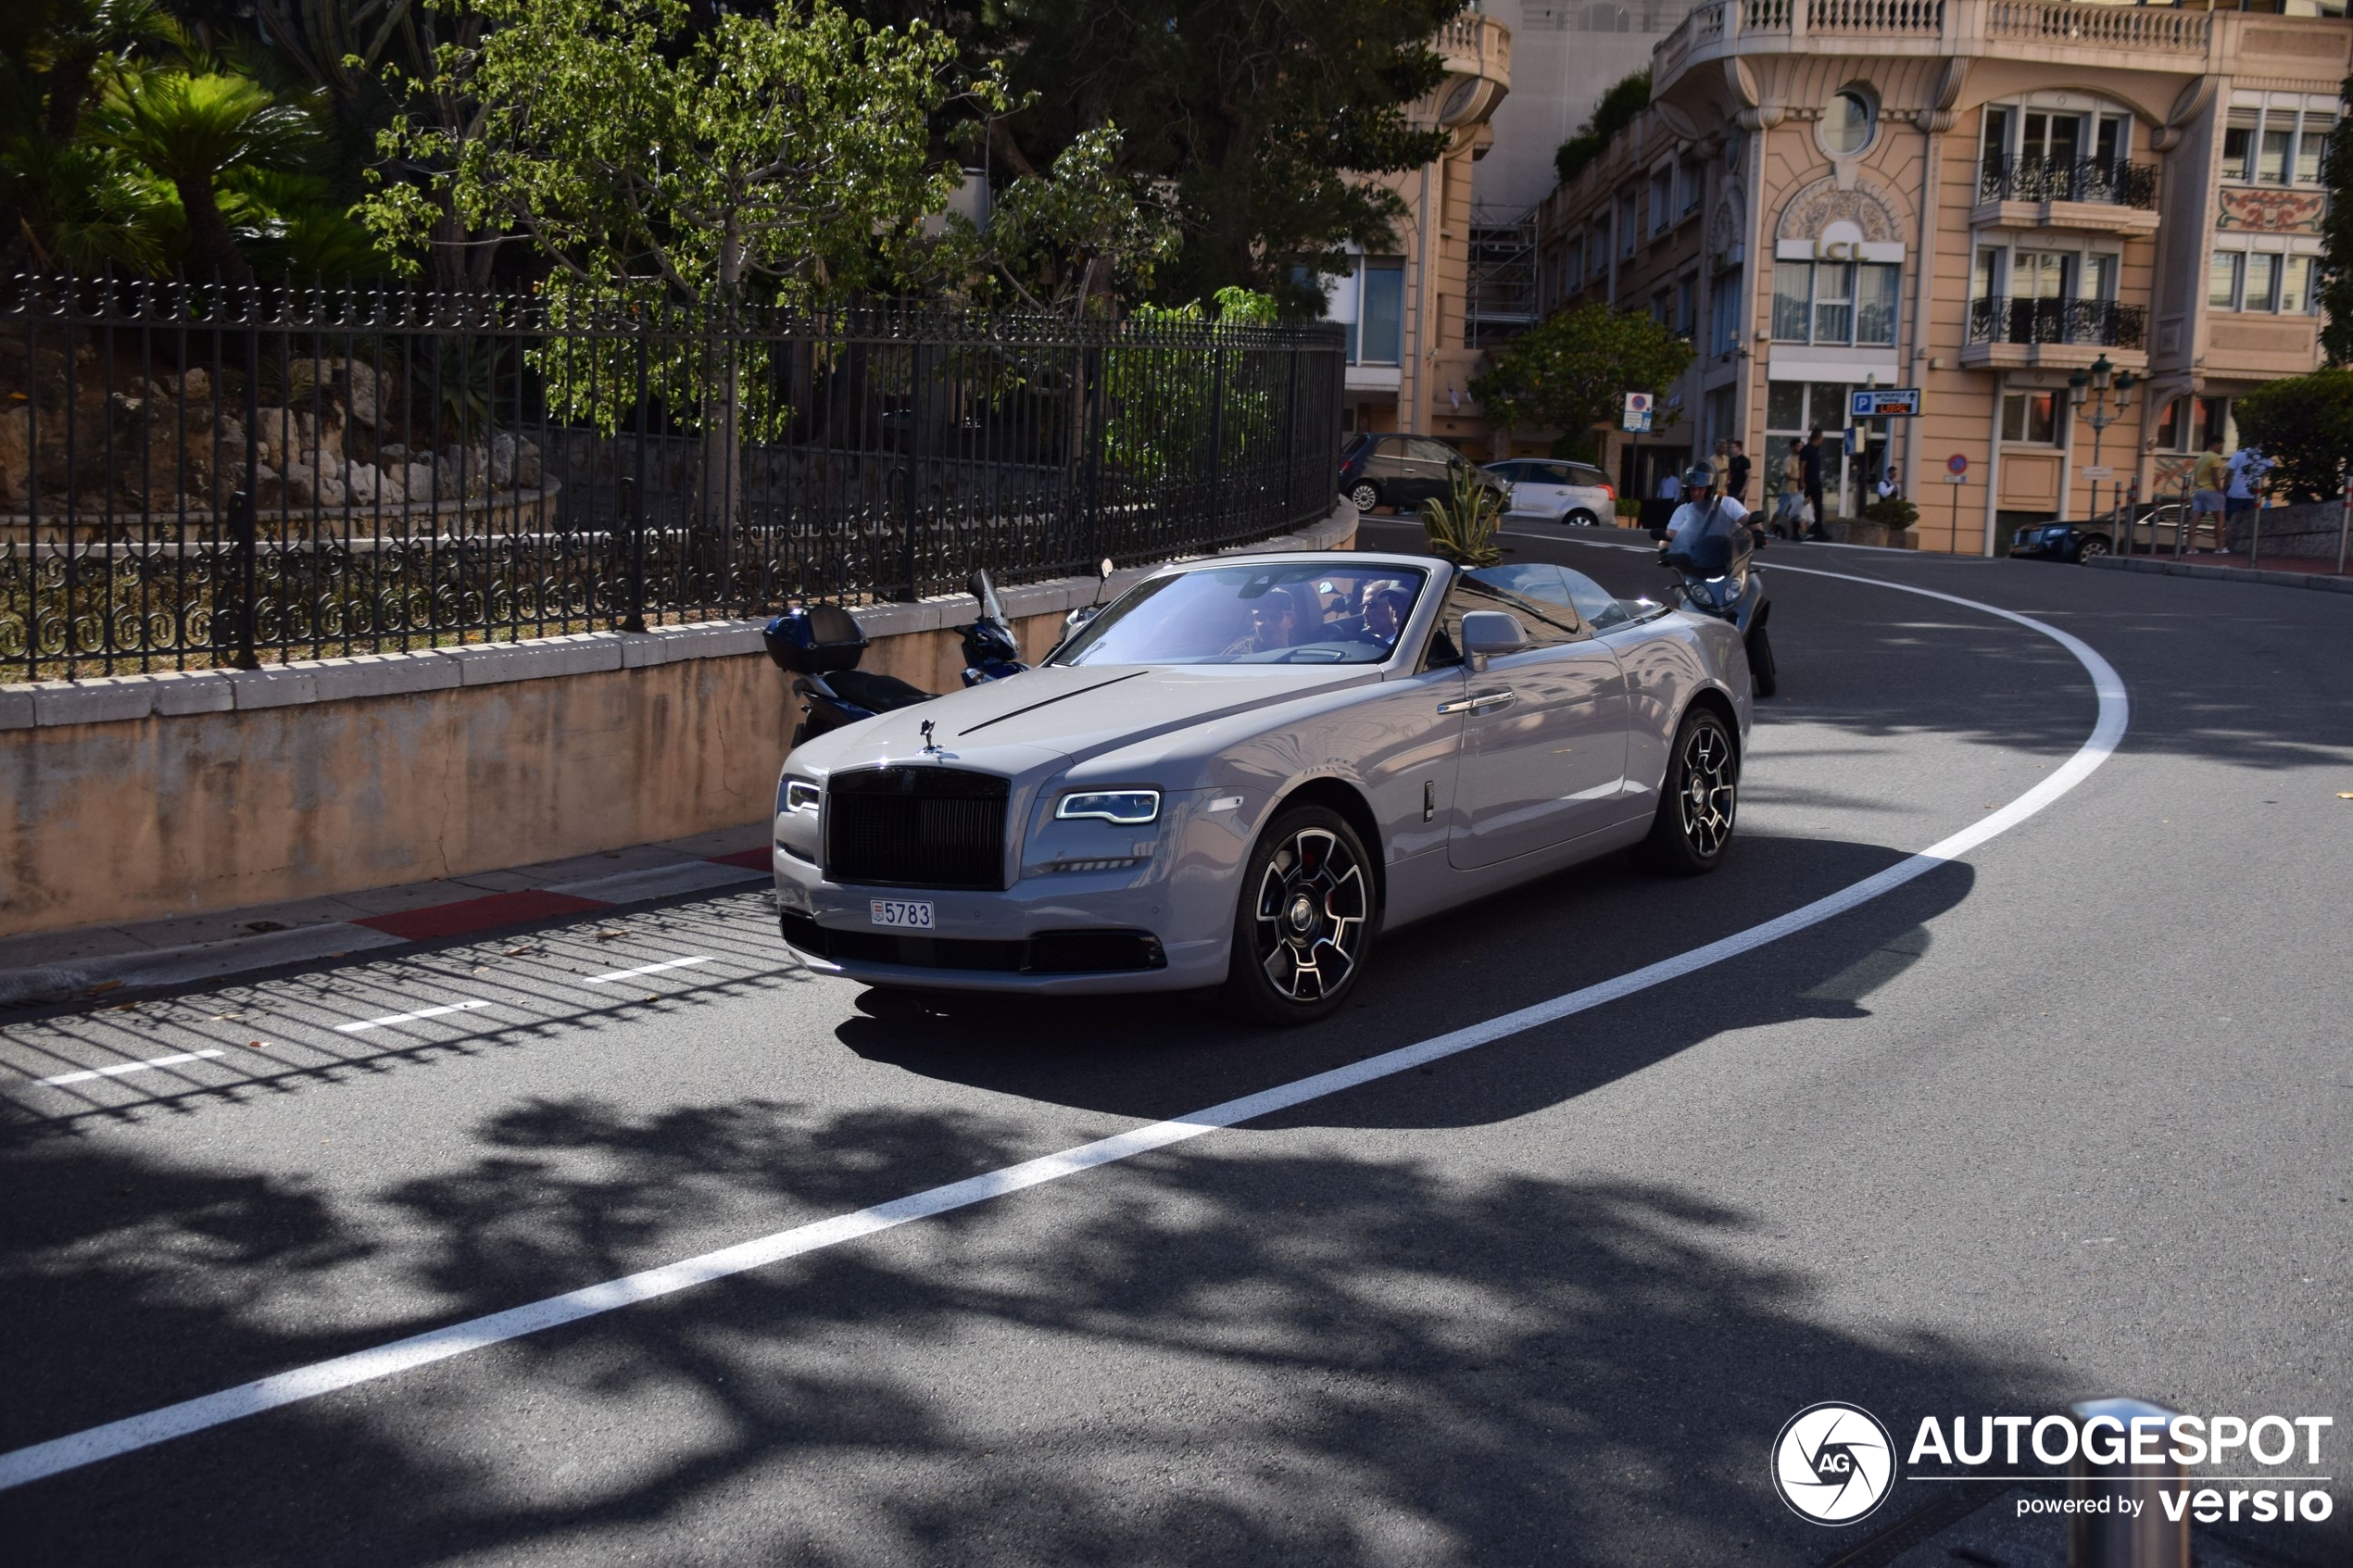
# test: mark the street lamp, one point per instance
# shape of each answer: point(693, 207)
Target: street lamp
point(2109, 394)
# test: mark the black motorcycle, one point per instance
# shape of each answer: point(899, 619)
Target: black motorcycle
point(1716, 575)
point(820, 645)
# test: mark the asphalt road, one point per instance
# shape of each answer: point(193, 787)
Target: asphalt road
point(2066, 1118)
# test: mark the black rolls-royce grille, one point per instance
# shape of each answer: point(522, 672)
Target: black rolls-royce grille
point(915, 827)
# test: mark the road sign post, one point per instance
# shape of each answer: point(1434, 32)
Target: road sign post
point(1956, 475)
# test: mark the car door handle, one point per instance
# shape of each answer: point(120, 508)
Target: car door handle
point(1478, 703)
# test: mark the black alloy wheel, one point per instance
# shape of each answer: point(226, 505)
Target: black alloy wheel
point(1581, 519)
point(1698, 800)
point(1303, 922)
point(1364, 494)
point(2089, 549)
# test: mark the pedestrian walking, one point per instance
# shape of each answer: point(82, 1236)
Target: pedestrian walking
point(2245, 478)
point(1736, 472)
point(2205, 500)
point(1670, 488)
point(1788, 520)
point(1812, 455)
point(1889, 489)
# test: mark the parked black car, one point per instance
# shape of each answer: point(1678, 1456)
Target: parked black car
point(1387, 470)
point(2153, 529)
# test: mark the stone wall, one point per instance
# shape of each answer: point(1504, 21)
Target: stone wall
point(137, 798)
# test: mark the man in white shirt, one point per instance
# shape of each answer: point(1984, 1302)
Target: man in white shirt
point(1700, 485)
point(1669, 489)
point(2248, 469)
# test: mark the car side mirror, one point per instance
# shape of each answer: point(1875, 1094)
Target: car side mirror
point(1487, 633)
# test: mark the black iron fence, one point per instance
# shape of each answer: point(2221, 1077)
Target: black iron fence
point(2093, 322)
point(2034, 178)
point(193, 477)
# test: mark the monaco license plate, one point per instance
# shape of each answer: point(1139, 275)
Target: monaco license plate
point(907, 913)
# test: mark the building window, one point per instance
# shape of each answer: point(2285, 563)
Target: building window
point(1380, 314)
point(2296, 294)
point(1688, 182)
point(2222, 280)
point(1597, 254)
point(1849, 122)
point(2191, 423)
point(1724, 312)
point(2273, 147)
point(1626, 225)
point(1687, 307)
point(1836, 302)
point(1662, 200)
point(2031, 418)
point(2262, 280)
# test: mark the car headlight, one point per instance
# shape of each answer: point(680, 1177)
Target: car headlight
point(1127, 808)
point(801, 795)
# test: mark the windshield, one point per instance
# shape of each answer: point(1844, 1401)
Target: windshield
point(1261, 614)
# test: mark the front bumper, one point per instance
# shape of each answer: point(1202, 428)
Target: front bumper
point(1177, 896)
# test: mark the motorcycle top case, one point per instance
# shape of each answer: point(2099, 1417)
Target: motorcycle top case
point(816, 640)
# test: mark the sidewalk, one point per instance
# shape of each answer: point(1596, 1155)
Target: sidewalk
point(2279, 571)
point(98, 961)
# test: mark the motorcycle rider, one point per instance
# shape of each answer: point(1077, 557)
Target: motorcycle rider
point(1709, 509)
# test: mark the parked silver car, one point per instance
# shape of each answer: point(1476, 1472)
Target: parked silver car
point(1242, 771)
point(1548, 490)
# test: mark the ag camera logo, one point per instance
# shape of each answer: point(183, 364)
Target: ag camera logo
point(1833, 1463)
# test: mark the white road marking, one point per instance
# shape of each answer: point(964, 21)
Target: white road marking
point(132, 1433)
point(643, 969)
point(354, 1028)
point(122, 1068)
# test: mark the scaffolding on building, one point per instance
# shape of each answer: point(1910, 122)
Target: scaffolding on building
point(1500, 300)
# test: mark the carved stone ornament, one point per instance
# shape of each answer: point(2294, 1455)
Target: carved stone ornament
point(1818, 206)
point(1728, 225)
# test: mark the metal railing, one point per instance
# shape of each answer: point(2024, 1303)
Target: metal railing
point(196, 476)
point(2033, 178)
point(2093, 322)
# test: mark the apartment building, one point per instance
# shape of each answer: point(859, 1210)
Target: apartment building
point(1409, 359)
point(1996, 202)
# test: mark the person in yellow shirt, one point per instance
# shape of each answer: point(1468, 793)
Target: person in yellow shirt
point(2206, 485)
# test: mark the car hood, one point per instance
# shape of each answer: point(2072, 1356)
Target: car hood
point(1066, 714)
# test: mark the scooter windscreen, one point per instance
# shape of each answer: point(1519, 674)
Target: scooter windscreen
point(1717, 544)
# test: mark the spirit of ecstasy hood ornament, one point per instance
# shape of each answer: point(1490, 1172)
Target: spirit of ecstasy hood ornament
point(929, 746)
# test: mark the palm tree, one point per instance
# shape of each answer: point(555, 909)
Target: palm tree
point(187, 129)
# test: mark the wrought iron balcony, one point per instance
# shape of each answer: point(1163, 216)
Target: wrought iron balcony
point(2115, 181)
point(2100, 323)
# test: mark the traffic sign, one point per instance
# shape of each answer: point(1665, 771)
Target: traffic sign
point(2104, 472)
point(1878, 403)
point(1958, 465)
point(1636, 416)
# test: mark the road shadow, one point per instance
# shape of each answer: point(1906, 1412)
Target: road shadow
point(1154, 1058)
point(1254, 1357)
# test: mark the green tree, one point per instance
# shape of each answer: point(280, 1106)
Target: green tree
point(761, 158)
point(1616, 110)
point(1254, 117)
point(1080, 233)
point(2305, 424)
point(2336, 239)
point(1572, 370)
point(63, 200)
point(189, 128)
point(660, 162)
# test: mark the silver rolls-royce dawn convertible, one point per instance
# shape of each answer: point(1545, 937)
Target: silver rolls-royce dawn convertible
point(1243, 770)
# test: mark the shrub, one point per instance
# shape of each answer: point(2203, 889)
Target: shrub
point(1463, 527)
point(2305, 424)
point(1613, 114)
point(1891, 511)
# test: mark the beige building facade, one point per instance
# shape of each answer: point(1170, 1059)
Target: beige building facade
point(1978, 199)
point(1409, 363)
